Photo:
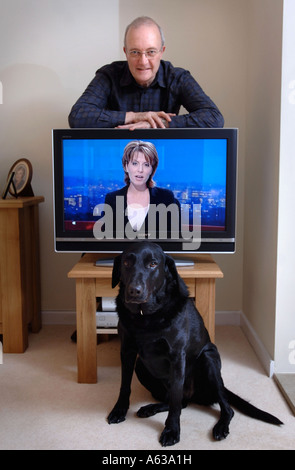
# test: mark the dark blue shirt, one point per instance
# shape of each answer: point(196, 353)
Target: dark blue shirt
point(113, 92)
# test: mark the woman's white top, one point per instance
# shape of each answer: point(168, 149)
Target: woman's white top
point(136, 215)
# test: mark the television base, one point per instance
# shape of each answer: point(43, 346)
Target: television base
point(178, 262)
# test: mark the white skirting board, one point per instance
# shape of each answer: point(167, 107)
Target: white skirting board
point(265, 359)
point(233, 318)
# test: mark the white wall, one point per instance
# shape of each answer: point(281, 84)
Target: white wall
point(285, 300)
point(264, 26)
point(50, 50)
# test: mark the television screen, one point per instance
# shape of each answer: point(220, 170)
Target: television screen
point(191, 206)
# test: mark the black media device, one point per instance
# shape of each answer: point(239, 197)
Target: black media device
point(199, 166)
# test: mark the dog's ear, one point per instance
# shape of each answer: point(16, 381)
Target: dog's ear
point(172, 272)
point(170, 267)
point(116, 275)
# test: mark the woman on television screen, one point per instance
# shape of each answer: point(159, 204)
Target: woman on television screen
point(144, 205)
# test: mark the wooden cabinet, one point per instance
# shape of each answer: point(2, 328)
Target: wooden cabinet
point(20, 302)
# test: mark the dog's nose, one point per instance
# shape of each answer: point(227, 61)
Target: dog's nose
point(135, 290)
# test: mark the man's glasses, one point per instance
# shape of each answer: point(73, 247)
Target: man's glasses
point(150, 54)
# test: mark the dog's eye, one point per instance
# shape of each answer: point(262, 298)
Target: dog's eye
point(153, 264)
point(126, 263)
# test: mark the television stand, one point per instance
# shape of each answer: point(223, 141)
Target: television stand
point(94, 281)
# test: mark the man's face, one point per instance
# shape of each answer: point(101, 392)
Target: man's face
point(142, 39)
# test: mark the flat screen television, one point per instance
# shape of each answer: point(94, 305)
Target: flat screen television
point(198, 167)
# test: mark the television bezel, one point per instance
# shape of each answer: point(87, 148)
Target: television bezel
point(211, 242)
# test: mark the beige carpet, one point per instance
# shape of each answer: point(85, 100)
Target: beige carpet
point(43, 407)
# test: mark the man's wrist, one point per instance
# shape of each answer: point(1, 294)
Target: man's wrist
point(129, 117)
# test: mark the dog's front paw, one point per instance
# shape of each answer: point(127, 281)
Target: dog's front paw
point(117, 415)
point(169, 437)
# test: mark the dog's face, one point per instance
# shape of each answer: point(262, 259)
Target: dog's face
point(144, 271)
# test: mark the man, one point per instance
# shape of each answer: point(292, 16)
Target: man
point(145, 91)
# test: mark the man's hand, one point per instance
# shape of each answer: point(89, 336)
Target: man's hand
point(146, 120)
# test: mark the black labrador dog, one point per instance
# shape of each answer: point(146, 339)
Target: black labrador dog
point(164, 338)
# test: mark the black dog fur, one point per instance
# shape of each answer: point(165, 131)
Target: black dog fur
point(164, 338)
